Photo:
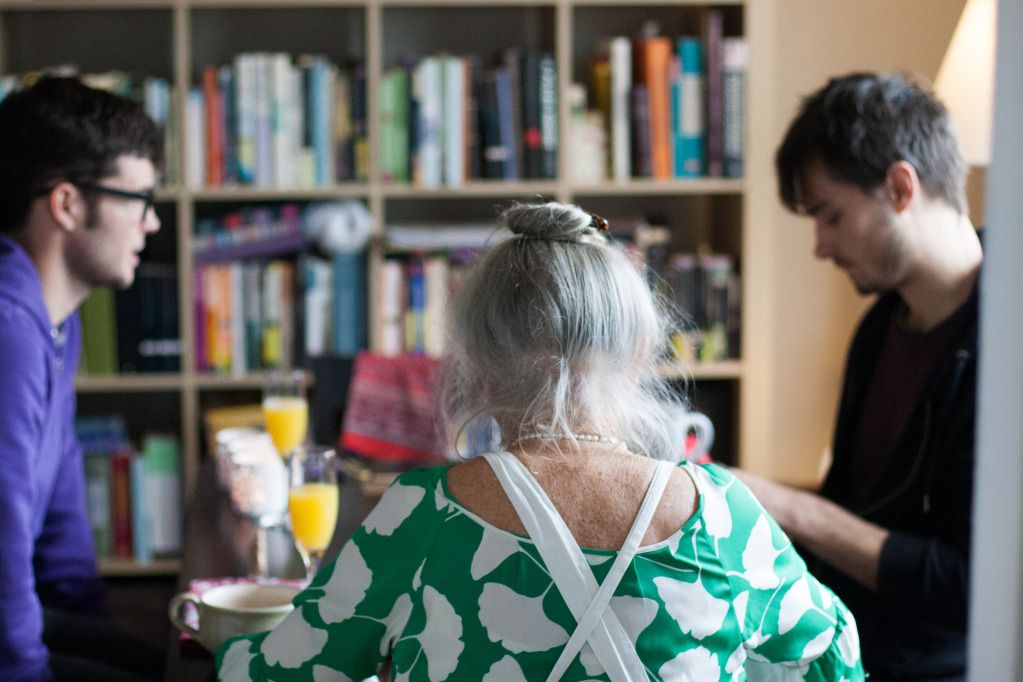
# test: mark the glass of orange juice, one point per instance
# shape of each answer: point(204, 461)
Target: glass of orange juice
point(286, 410)
point(312, 503)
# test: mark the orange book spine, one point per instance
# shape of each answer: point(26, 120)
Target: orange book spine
point(656, 73)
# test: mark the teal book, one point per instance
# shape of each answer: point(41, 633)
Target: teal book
point(688, 109)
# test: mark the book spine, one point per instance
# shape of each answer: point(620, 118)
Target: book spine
point(120, 503)
point(642, 162)
point(691, 104)
point(715, 103)
point(97, 498)
point(620, 57)
point(530, 142)
point(415, 340)
point(349, 303)
point(239, 354)
point(493, 148)
point(342, 135)
point(734, 59)
point(506, 124)
point(435, 276)
point(214, 127)
point(141, 513)
point(454, 120)
point(548, 117)
point(391, 307)
point(196, 152)
point(162, 457)
point(656, 69)
point(427, 86)
point(245, 118)
point(99, 332)
point(513, 65)
point(229, 123)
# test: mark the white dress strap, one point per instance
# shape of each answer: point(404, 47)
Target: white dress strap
point(572, 574)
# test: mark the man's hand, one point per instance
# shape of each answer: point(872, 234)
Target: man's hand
point(839, 537)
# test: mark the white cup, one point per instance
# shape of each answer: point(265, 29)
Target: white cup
point(228, 610)
point(259, 482)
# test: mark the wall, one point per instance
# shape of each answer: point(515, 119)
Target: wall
point(805, 309)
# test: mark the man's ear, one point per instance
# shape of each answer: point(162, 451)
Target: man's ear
point(66, 206)
point(901, 185)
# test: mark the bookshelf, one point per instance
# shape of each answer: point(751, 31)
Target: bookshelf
point(176, 39)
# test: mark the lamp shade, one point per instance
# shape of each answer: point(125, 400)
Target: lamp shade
point(965, 82)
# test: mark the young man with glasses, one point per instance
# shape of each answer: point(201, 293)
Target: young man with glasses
point(77, 175)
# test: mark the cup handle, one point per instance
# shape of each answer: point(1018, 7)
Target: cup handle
point(176, 613)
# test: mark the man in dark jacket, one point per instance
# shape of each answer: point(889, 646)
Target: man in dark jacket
point(77, 174)
point(874, 162)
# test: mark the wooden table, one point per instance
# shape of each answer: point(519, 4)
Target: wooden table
point(221, 543)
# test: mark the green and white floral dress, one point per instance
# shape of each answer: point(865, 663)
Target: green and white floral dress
point(447, 596)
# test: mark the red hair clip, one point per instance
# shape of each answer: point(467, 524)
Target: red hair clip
point(598, 223)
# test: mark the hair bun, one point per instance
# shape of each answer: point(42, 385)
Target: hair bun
point(553, 221)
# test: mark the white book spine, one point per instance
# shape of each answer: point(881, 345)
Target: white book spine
point(392, 308)
point(454, 121)
point(195, 122)
point(621, 88)
point(436, 275)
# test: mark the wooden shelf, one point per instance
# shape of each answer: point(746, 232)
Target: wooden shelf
point(127, 383)
point(123, 568)
point(183, 36)
point(727, 369)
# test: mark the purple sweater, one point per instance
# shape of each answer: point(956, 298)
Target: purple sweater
point(46, 553)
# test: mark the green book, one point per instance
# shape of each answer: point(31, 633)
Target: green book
point(99, 332)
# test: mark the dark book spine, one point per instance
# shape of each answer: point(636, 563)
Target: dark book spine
point(642, 161)
point(715, 100)
point(531, 115)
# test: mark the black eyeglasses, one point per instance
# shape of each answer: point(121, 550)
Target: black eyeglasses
point(148, 198)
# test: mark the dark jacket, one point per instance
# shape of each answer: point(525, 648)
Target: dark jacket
point(46, 552)
point(914, 626)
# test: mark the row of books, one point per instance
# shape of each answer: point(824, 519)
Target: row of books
point(427, 262)
point(155, 95)
point(665, 107)
point(445, 119)
point(134, 329)
point(266, 314)
point(134, 497)
point(269, 120)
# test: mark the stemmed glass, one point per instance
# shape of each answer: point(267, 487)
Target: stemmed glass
point(313, 503)
point(286, 410)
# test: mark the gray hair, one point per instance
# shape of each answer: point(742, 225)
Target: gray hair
point(556, 331)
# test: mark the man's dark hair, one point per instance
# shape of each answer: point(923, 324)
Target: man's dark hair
point(59, 129)
point(860, 124)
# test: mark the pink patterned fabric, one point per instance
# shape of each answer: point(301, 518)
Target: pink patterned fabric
point(391, 412)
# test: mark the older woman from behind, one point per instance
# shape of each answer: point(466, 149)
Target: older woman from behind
point(577, 549)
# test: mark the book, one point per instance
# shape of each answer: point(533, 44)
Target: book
point(642, 160)
point(390, 307)
point(530, 144)
point(506, 124)
point(162, 466)
point(689, 108)
point(142, 511)
point(713, 28)
point(427, 156)
point(453, 120)
point(348, 321)
point(655, 53)
point(494, 148)
point(97, 500)
point(99, 335)
point(734, 59)
point(120, 503)
point(548, 117)
point(620, 59)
